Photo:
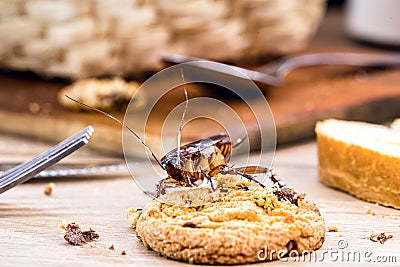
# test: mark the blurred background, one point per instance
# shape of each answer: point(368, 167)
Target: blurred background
point(75, 39)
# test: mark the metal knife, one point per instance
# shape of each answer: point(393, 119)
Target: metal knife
point(74, 169)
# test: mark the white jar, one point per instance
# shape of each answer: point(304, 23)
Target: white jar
point(376, 21)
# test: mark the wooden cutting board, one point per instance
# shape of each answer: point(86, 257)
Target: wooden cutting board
point(309, 95)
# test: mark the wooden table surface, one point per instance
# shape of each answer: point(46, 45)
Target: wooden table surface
point(29, 233)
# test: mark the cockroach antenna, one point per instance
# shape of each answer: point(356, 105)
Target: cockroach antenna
point(122, 123)
point(183, 116)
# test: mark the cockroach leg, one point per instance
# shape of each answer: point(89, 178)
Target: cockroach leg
point(225, 169)
point(259, 170)
point(209, 178)
point(182, 118)
point(239, 141)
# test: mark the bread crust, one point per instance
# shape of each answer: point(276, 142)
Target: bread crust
point(235, 229)
point(362, 172)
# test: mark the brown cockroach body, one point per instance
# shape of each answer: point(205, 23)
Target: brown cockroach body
point(191, 164)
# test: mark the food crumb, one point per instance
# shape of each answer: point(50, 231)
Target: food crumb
point(74, 235)
point(333, 228)
point(340, 235)
point(49, 189)
point(63, 225)
point(395, 217)
point(381, 238)
point(123, 252)
point(371, 212)
point(111, 247)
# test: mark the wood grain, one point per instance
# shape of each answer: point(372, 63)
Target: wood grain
point(29, 234)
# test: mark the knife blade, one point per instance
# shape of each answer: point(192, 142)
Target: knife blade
point(75, 169)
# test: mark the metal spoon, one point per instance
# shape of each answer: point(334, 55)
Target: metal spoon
point(273, 74)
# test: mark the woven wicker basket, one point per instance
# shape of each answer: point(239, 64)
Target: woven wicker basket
point(86, 38)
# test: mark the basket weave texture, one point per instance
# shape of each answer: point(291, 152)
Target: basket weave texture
point(87, 38)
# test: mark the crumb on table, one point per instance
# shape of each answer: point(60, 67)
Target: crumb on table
point(333, 228)
point(371, 212)
point(75, 236)
point(49, 189)
point(381, 238)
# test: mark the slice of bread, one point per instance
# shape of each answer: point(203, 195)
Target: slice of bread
point(360, 158)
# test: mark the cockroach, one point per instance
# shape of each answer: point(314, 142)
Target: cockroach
point(190, 164)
